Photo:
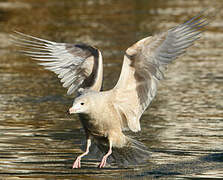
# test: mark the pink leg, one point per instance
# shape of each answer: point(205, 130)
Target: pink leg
point(77, 162)
point(104, 159)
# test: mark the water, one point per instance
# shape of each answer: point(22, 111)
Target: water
point(183, 126)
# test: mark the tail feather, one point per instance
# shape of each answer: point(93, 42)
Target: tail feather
point(133, 153)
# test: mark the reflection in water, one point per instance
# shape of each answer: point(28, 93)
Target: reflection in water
point(39, 140)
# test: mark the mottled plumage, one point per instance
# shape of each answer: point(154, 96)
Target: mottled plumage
point(79, 66)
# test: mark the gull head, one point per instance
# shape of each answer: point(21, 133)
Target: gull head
point(80, 105)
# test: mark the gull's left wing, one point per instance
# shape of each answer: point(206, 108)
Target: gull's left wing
point(143, 67)
point(77, 65)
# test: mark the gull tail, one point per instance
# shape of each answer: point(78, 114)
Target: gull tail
point(132, 153)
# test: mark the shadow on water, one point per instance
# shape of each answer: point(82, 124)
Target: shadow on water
point(182, 128)
point(206, 163)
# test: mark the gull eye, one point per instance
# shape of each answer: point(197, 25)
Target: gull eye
point(82, 103)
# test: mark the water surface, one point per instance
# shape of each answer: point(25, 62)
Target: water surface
point(183, 127)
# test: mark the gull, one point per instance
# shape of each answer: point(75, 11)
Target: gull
point(112, 112)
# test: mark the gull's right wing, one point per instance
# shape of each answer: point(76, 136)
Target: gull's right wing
point(77, 65)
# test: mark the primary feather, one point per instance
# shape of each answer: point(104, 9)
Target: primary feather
point(77, 65)
point(144, 65)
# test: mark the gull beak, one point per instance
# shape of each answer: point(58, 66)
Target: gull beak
point(72, 110)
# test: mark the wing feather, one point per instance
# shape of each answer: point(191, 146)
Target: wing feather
point(144, 64)
point(77, 65)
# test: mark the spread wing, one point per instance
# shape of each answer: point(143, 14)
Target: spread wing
point(77, 65)
point(143, 67)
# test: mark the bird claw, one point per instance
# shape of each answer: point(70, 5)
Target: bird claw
point(77, 163)
point(102, 163)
